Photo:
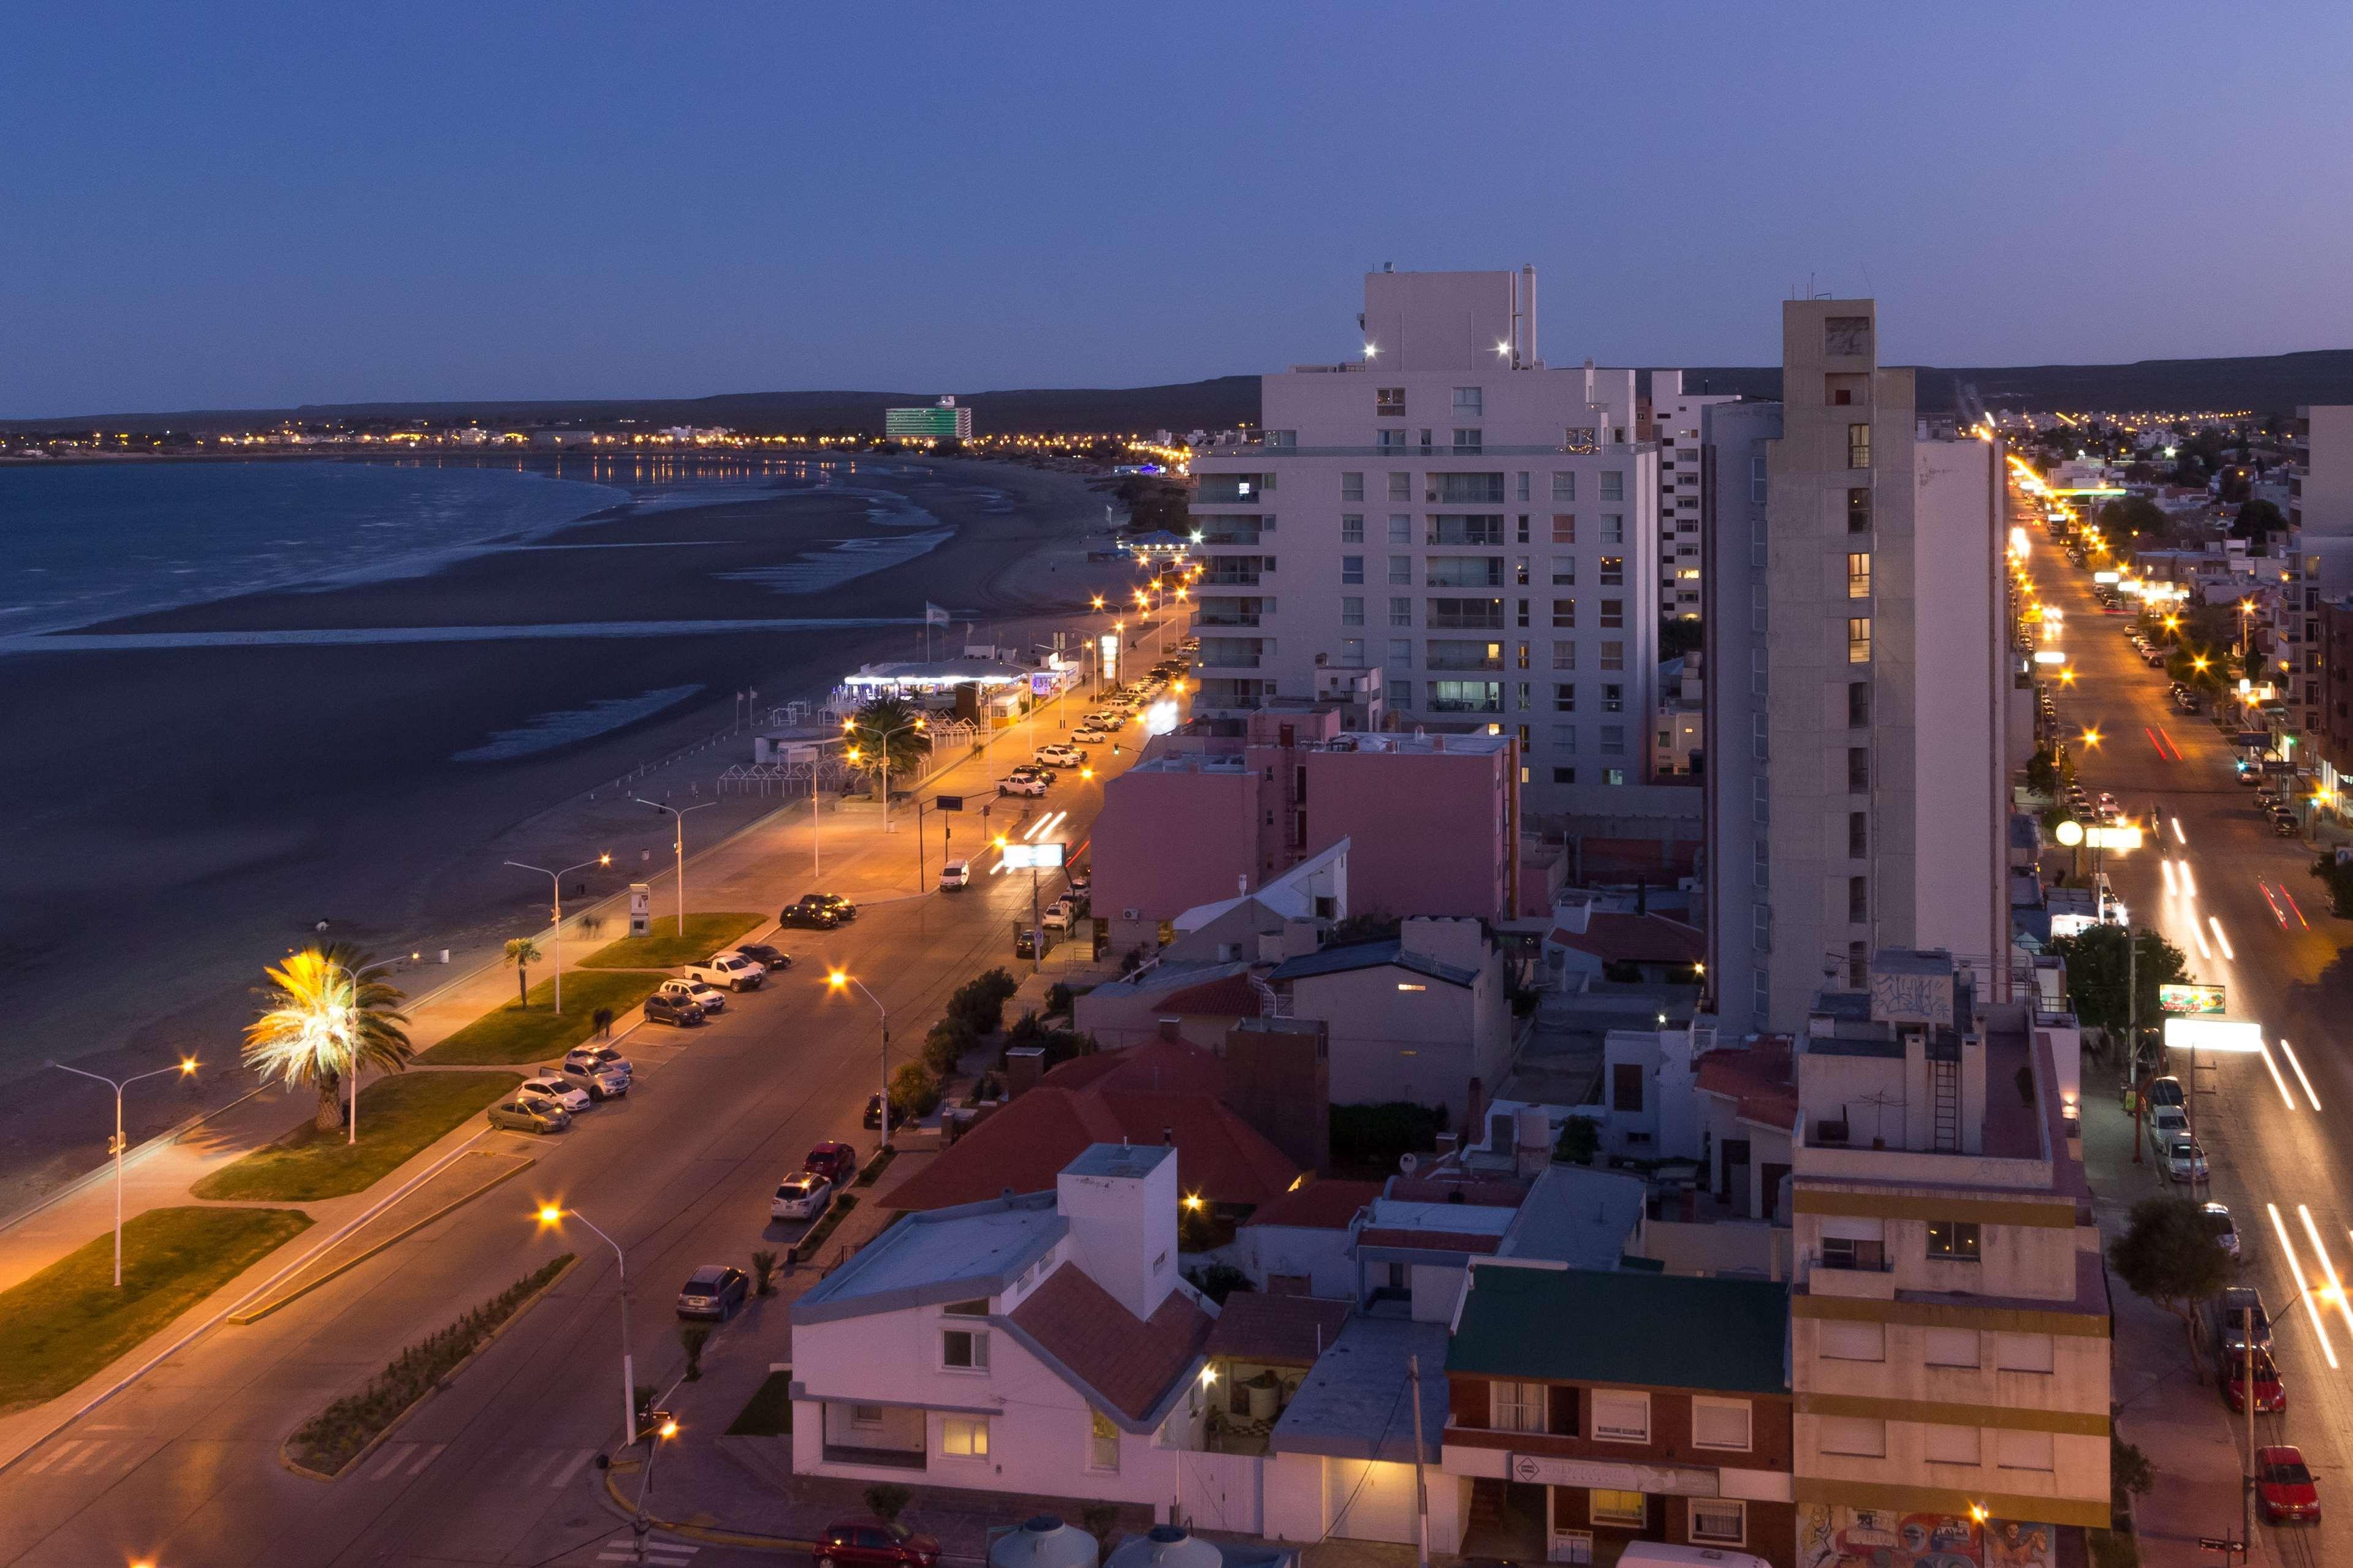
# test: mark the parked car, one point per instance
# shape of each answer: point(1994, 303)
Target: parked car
point(2283, 827)
point(2185, 1161)
point(709, 997)
point(1081, 882)
point(804, 1195)
point(873, 1118)
point(1033, 787)
point(836, 1162)
point(2284, 1484)
point(808, 917)
point(713, 1290)
point(678, 1012)
point(531, 1115)
point(556, 1088)
point(843, 910)
point(1057, 756)
point(603, 1073)
point(875, 1543)
point(2230, 1376)
point(1032, 771)
point(2225, 1230)
point(2231, 1311)
point(2167, 1123)
point(774, 961)
point(1057, 915)
point(729, 972)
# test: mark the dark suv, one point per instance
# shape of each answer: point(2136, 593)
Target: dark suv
point(809, 916)
point(840, 908)
point(681, 1012)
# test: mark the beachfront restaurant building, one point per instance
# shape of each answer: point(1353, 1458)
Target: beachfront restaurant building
point(989, 692)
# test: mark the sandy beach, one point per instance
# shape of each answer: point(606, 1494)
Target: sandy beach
point(177, 816)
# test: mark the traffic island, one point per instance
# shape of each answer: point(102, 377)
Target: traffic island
point(665, 947)
point(532, 1030)
point(399, 1117)
point(66, 1324)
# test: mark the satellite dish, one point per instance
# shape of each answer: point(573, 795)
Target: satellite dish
point(1408, 1164)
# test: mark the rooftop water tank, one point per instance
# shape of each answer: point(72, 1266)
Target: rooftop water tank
point(1164, 1546)
point(1044, 1541)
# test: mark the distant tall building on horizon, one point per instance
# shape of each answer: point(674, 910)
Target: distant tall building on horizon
point(946, 420)
point(1858, 681)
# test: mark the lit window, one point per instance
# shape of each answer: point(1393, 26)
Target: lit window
point(1858, 639)
point(1953, 1238)
point(1858, 575)
point(964, 1437)
point(1628, 1510)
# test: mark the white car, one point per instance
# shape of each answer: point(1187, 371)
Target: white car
point(2185, 1161)
point(1060, 756)
point(728, 972)
point(2225, 1231)
point(1032, 787)
point(804, 1195)
point(1056, 916)
point(557, 1088)
point(709, 997)
point(2167, 1123)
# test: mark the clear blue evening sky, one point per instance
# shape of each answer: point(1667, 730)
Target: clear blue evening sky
point(225, 204)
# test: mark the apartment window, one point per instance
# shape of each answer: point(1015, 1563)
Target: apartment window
point(1613, 528)
point(1564, 617)
point(1352, 528)
point(1103, 1443)
point(1613, 655)
point(1952, 1444)
point(1564, 572)
point(1400, 483)
point(1760, 481)
point(1564, 775)
point(1402, 651)
point(1469, 400)
point(1613, 776)
point(1387, 442)
point(1563, 655)
point(1579, 438)
point(1858, 965)
point(1388, 402)
point(1520, 535)
point(1858, 899)
point(1953, 1238)
point(1953, 1347)
point(1524, 656)
point(1352, 569)
point(1521, 617)
point(963, 1349)
point(866, 1415)
point(1858, 639)
point(1718, 1521)
point(1352, 612)
point(1858, 575)
point(1622, 1416)
point(1352, 652)
point(1517, 1406)
point(1467, 439)
point(1401, 611)
point(1564, 697)
point(1855, 1435)
point(1564, 737)
point(1613, 570)
point(1858, 705)
point(964, 1437)
point(2022, 1353)
point(1564, 527)
point(1858, 835)
point(1520, 490)
point(2022, 1450)
point(1564, 486)
point(1466, 697)
point(1520, 570)
point(1613, 698)
point(1613, 611)
point(1858, 770)
point(1858, 446)
point(1280, 439)
point(1401, 527)
point(1614, 484)
point(1627, 1510)
point(1842, 1341)
point(1352, 487)
point(1400, 570)
point(1854, 1252)
point(1858, 510)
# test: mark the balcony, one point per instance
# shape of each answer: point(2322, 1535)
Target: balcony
point(1229, 578)
point(1232, 619)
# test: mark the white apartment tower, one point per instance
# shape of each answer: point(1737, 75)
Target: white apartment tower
point(1858, 673)
point(1675, 420)
point(1443, 533)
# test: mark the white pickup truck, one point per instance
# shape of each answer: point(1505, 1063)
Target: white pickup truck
point(729, 972)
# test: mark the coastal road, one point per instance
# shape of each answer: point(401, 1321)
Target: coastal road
point(2241, 904)
point(183, 1468)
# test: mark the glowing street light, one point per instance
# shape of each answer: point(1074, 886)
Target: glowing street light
point(187, 1066)
point(553, 1215)
point(556, 880)
point(842, 980)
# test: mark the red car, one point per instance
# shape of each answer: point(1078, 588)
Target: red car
point(837, 1162)
point(2284, 1485)
point(876, 1543)
point(2271, 1393)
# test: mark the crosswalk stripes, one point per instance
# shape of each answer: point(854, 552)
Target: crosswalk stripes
point(667, 1553)
point(402, 1459)
point(552, 1467)
point(87, 1456)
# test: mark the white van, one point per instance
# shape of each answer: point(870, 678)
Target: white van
point(954, 875)
point(1658, 1555)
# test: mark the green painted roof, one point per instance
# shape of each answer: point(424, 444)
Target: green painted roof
point(1660, 1331)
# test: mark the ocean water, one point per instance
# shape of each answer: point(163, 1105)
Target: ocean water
point(84, 542)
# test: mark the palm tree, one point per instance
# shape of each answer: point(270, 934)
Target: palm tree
point(523, 952)
point(890, 726)
point(324, 1019)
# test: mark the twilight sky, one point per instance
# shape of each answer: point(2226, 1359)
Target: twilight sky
point(228, 204)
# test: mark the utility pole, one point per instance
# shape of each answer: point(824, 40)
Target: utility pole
point(1420, 1488)
point(2132, 1037)
point(2247, 1491)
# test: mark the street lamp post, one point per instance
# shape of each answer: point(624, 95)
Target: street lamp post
point(351, 1120)
point(883, 739)
point(187, 1065)
point(553, 1214)
point(556, 880)
point(678, 846)
point(840, 980)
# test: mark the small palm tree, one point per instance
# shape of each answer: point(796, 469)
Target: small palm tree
point(891, 726)
point(323, 1019)
point(523, 952)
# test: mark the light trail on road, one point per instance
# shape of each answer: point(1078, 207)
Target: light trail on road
point(2303, 1291)
point(2188, 882)
point(2200, 932)
point(2289, 1051)
point(2335, 1286)
point(2220, 940)
point(2170, 741)
point(2293, 905)
point(2179, 837)
point(2273, 1068)
point(2172, 889)
point(2277, 913)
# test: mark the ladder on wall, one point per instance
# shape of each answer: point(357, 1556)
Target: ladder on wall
point(1945, 1104)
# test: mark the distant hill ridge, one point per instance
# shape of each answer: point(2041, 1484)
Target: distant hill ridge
point(2271, 383)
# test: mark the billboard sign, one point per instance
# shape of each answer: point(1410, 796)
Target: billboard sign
point(2206, 1001)
point(1107, 648)
point(1032, 857)
point(2212, 1035)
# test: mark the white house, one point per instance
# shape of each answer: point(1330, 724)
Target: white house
point(1423, 1016)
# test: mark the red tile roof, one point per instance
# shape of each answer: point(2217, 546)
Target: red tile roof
point(1232, 995)
point(1283, 1331)
point(1177, 1067)
point(1318, 1205)
point(1129, 1364)
point(1756, 1078)
point(1025, 1146)
point(1643, 939)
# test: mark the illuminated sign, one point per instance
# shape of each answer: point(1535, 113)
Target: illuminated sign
point(2206, 1001)
point(1032, 857)
point(2213, 1035)
point(2126, 837)
point(2050, 656)
point(1107, 645)
point(2107, 576)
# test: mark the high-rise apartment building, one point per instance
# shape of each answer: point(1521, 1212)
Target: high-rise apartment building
point(1675, 420)
point(1442, 533)
point(1859, 676)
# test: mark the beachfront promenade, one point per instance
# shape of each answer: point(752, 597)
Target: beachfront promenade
point(678, 1171)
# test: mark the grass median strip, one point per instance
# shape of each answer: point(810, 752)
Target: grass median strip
point(66, 1324)
point(663, 947)
point(325, 1445)
point(398, 1116)
point(536, 1032)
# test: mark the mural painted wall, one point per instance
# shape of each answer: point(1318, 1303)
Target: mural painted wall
point(1831, 1537)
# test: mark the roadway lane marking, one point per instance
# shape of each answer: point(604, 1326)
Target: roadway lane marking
point(395, 1454)
point(2295, 1269)
point(59, 1452)
point(430, 1455)
point(563, 1476)
point(2289, 1051)
point(89, 1454)
point(540, 1468)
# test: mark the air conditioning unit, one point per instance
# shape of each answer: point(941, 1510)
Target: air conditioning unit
point(1130, 914)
